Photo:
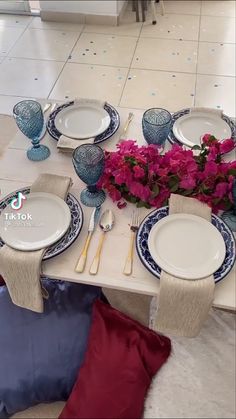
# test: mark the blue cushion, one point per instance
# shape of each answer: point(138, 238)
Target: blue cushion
point(40, 354)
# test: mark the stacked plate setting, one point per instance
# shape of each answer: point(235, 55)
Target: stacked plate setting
point(45, 221)
point(83, 120)
point(185, 245)
point(189, 125)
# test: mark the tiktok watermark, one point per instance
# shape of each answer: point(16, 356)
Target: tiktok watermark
point(17, 203)
point(18, 219)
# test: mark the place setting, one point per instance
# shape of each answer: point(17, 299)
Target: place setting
point(189, 125)
point(181, 240)
point(82, 121)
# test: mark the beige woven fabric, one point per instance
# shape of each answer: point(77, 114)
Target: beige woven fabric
point(57, 185)
point(21, 270)
point(68, 145)
point(184, 304)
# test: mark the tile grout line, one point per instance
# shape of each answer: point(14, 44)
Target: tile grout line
point(129, 68)
point(64, 64)
point(198, 46)
point(27, 27)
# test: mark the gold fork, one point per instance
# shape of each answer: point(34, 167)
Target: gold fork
point(134, 225)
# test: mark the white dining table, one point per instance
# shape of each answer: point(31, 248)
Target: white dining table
point(16, 171)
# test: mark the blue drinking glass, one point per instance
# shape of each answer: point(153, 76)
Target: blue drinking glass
point(89, 162)
point(28, 115)
point(156, 125)
point(230, 216)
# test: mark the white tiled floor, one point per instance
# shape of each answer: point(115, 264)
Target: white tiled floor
point(187, 59)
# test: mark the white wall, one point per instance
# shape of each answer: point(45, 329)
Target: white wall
point(102, 7)
point(120, 4)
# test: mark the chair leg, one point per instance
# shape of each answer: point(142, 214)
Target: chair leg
point(133, 6)
point(154, 14)
point(143, 10)
point(162, 7)
point(137, 10)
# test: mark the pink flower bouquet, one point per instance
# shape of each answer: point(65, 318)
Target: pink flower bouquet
point(143, 176)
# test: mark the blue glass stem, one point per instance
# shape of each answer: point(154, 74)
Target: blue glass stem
point(35, 142)
point(92, 188)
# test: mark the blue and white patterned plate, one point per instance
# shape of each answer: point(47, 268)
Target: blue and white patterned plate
point(173, 140)
point(157, 215)
point(113, 127)
point(71, 234)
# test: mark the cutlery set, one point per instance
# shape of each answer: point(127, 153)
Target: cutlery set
point(106, 224)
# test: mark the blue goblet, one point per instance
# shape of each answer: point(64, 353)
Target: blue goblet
point(28, 115)
point(89, 162)
point(156, 124)
point(230, 216)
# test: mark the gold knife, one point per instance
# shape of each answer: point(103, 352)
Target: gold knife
point(92, 224)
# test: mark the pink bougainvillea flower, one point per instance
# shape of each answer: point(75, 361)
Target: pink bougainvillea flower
point(137, 170)
point(121, 204)
point(142, 192)
point(221, 190)
point(227, 145)
point(122, 175)
point(139, 173)
point(210, 168)
point(212, 155)
point(114, 193)
point(187, 182)
point(208, 139)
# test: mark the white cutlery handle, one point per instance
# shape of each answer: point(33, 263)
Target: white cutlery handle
point(129, 260)
point(96, 260)
point(83, 257)
point(46, 107)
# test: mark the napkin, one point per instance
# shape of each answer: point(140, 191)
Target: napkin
point(67, 144)
point(21, 270)
point(184, 305)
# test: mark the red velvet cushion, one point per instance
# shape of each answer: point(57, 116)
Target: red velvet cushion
point(1, 281)
point(121, 359)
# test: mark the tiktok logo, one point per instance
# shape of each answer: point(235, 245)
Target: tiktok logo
point(17, 203)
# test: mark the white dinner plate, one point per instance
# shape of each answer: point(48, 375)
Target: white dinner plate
point(189, 129)
point(186, 246)
point(82, 121)
point(43, 219)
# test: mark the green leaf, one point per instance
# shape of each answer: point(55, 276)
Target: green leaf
point(131, 198)
point(232, 172)
point(196, 147)
point(173, 181)
point(142, 204)
point(187, 192)
point(155, 190)
point(175, 187)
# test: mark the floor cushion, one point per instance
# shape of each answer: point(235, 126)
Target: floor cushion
point(42, 353)
point(198, 381)
point(121, 359)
